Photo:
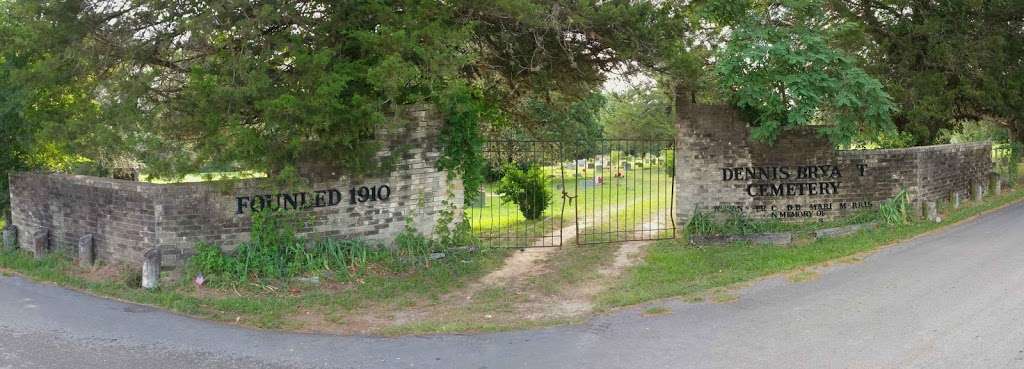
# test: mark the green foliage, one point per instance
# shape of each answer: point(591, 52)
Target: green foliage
point(701, 223)
point(526, 188)
point(670, 162)
point(731, 221)
point(451, 231)
point(564, 118)
point(276, 253)
point(882, 140)
point(895, 210)
point(266, 86)
point(780, 66)
point(1007, 158)
point(944, 61)
point(974, 131)
point(640, 113)
point(460, 138)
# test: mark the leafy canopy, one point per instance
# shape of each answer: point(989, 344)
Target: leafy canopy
point(640, 113)
point(779, 64)
point(944, 61)
point(267, 85)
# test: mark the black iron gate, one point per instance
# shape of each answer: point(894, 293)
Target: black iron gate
point(498, 215)
point(625, 191)
point(601, 191)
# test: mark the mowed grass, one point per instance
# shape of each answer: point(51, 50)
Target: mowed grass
point(585, 199)
point(673, 268)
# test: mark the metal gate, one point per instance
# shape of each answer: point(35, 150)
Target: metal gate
point(625, 191)
point(601, 191)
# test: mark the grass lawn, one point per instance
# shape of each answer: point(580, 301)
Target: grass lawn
point(647, 191)
point(674, 268)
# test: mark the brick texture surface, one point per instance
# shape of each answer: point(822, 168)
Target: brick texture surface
point(714, 146)
point(128, 218)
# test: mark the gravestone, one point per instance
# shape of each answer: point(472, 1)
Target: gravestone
point(41, 243)
point(933, 212)
point(480, 200)
point(10, 235)
point(85, 251)
point(151, 269)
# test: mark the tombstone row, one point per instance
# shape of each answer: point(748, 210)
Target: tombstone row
point(978, 192)
point(40, 247)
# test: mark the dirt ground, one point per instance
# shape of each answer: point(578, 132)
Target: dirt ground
point(534, 286)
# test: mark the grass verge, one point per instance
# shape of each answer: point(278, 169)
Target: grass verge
point(674, 269)
point(267, 306)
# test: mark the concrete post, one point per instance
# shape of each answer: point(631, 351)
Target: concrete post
point(85, 251)
point(979, 192)
point(41, 243)
point(997, 185)
point(956, 200)
point(933, 212)
point(151, 269)
point(10, 238)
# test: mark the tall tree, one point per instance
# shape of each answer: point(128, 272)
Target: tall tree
point(269, 84)
point(945, 61)
point(782, 63)
point(639, 113)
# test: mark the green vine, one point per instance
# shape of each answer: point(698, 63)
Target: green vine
point(461, 142)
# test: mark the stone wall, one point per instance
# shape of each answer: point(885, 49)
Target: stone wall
point(127, 218)
point(801, 176)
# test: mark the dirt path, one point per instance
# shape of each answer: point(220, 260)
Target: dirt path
point(533, 286)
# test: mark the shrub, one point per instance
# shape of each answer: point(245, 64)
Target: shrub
point(527, 189)
point(895, 210)
point(731, 221)
point(701, 223)
point(275, 253)
point(213, 263)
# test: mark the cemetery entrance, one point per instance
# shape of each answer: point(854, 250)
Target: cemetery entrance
point(545, 193)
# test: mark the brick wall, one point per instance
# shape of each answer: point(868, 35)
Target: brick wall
point(801, 177)
point(127, 218)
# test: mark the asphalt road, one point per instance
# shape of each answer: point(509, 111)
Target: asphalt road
point(953, 299)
